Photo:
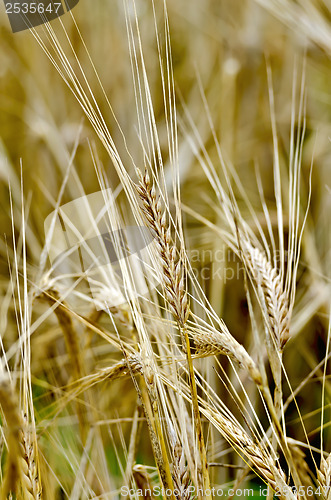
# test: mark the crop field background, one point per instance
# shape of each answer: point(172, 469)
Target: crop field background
point(195, 366)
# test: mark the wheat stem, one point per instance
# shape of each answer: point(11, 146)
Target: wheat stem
point(72, 344)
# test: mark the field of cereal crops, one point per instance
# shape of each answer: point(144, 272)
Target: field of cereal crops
point(165, 251)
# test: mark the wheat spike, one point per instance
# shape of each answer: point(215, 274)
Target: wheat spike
point(172, 268)
point(124, 367)
point(21, 464)
point(29, 465)
point(180, 475)
point(214, 342)
point(259, 458)
point(268, 280)
point(131, 364)
point(324, 476)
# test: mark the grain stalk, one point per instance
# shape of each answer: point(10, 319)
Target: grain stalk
point(148, 371)
point(156, 437)
point(72, 345)
point(133, 444)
